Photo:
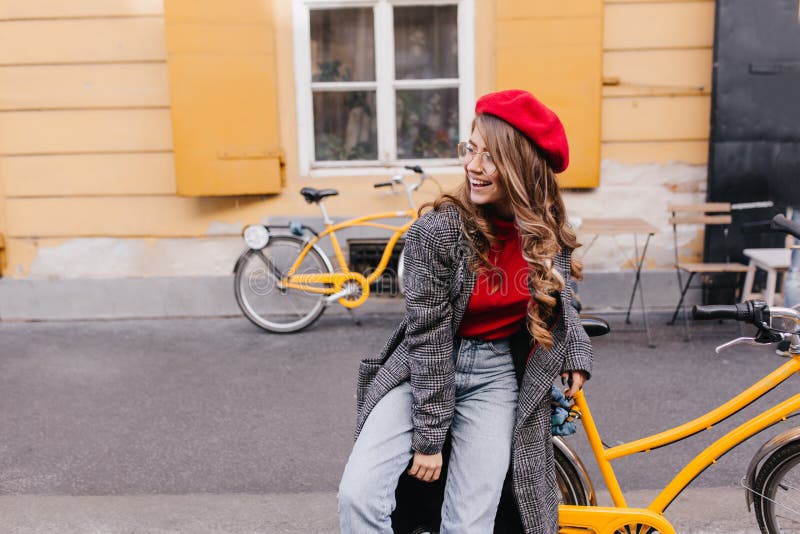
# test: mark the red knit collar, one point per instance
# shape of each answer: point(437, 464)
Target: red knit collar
point(504, 229)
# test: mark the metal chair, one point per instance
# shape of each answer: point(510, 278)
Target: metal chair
point(707, 214)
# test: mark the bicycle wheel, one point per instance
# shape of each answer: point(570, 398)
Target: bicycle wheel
point(570, 486)
point(256, 286)
point(777, 491)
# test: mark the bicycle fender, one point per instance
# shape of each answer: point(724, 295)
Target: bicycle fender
point(324, 256)
point(573, 458)
point(240, 259)
point(766, 450)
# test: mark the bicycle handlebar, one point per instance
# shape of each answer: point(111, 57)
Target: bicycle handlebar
point(745, 312)
point(779, 222)
point(755, 312)
point(398, 179)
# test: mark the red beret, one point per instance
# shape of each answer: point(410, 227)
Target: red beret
point(533, 119)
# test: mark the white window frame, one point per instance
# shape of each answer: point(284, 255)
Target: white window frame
point(385, 85)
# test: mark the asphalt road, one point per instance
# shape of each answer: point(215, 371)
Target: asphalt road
point(210, 425)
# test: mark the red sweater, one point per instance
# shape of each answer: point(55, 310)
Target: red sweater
point(499, 303)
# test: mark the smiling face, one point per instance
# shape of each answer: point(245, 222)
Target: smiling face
point(485, 190)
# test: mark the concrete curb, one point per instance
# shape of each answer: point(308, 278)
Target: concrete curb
point(212, 296)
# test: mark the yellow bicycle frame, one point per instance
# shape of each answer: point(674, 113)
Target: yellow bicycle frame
point(327, 283)
point(575, 519)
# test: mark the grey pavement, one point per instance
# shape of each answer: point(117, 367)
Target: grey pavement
point(700, 511)
point(210, 425)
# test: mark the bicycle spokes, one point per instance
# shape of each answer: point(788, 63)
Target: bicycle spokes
point(265, 292)
point(270, 269)
point(638, 528)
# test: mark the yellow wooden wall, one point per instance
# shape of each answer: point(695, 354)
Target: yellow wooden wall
point(86, 134)
point(658, 55)
point(555, 50)
point(84, 117)
point(656, 64)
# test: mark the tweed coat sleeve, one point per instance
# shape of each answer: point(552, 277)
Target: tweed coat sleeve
point(579, 354)
point(429, 265)
point(579, 351)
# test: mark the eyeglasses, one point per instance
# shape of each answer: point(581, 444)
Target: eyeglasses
point(466, 153)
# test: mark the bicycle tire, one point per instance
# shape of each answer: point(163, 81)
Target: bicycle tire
point(781, 467)
point(271, 308)
point(569, 483)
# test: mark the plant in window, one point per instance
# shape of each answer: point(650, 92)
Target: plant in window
point(329, 72)
point(428, 125)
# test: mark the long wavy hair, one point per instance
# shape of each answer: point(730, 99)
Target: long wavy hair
point(535, 200)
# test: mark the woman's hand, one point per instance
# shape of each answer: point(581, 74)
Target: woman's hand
point(426, 467)
point(575, 380)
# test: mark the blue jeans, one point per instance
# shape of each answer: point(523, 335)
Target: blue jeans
point(481, 430)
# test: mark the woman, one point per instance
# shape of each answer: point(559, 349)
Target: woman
point(486, 269)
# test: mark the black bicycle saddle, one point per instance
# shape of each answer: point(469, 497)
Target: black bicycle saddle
point(315, 195)
point(594, 326)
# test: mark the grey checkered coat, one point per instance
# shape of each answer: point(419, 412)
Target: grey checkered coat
point(438, 288)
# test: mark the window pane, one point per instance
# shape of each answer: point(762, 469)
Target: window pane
point(345, 125)
point(425, 42)
point(342, 45)
point(427, 123)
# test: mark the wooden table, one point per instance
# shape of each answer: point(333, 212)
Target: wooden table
point(635, 226)
point(771, 260)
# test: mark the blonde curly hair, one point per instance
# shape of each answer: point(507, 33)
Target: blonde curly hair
point(535, 200)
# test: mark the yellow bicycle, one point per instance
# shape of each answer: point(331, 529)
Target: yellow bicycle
point(283, 282)
point(772, 481)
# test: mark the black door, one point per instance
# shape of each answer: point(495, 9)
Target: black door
point(755, 119)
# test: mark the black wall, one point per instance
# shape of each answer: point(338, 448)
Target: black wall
point(755, 119)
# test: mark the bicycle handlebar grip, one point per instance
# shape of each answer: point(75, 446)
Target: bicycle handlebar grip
point(383, 184)
point(700, 313)
point(779, 222)
point(753, 311)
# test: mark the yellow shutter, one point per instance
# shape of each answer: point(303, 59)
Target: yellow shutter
point(223, 96)
point(555, 51)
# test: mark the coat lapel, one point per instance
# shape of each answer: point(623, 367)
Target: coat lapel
point(461, 291)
